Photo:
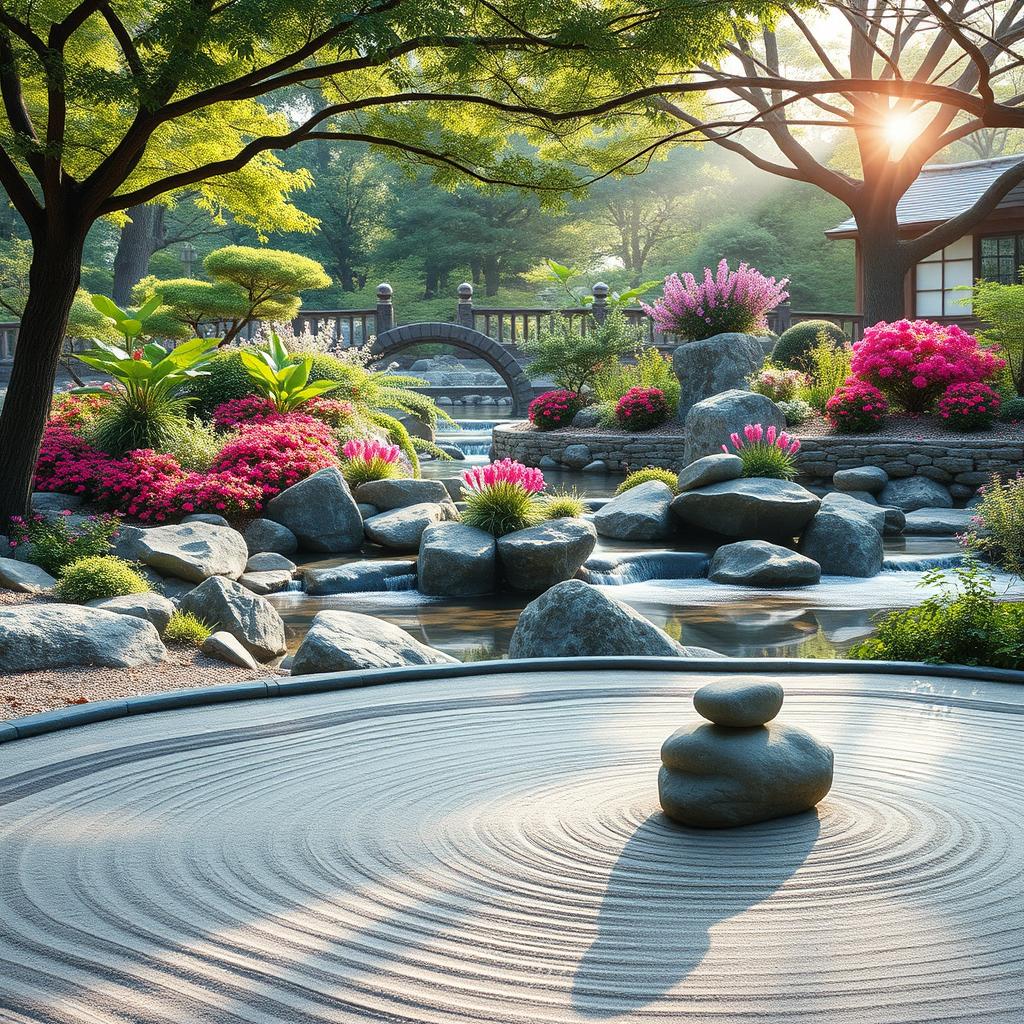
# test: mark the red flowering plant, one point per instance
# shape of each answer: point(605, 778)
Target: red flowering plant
point(245, 412)
point(278, 454)
point(554, 409)
point(642, 409)
point(970, 406)
point(333, 411)
point(78, 411)
point(913, 361)
point(67, 462)
point(223, 493)
point(141, 484)
point(856, 407)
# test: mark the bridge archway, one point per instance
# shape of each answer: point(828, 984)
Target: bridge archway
point(395, 340)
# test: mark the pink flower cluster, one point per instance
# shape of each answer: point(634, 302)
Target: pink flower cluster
point(777, 383)
point(366, 450)
point(755, 433)
point(969, 406)
point(507, 471)
point(67, 462)
point(275, 455)
point(913, 361)
point(257, 409)
point(76, 411)
point(641, 409)
point(856, 407)
point(554, 409)
point(726, 300)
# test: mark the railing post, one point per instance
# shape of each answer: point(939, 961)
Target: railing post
point(464, 309)
point(783, 317)
point(385, 308)
point(600, 304)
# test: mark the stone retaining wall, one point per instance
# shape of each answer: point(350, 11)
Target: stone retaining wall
point(953, 461)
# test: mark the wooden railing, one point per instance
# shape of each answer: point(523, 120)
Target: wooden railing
point(511, 326)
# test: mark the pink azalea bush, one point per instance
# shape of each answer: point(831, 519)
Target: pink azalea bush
point(67, 463)
point(502, 497)
point(253, 410)
point(856, 407)
point(368, 459)
point(277, 454)
point(913, 361)
point(554, 409)
point(726, 300)
point(765, 452)
point(969, 406)
point(642, 409)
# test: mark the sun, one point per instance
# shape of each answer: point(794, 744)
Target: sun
point(899, 129)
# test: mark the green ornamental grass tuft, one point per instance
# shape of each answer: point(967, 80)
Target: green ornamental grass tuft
point(186, 628)
point(564, 505)
point(643, 476)
point(99, 576)
point(502, 508)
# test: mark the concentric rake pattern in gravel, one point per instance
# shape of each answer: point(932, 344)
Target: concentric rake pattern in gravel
point(491, 851)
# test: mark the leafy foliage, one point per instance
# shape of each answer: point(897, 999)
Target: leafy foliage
point(998, 531)
point(186, 628)
point(99, 576)
point(829, 369)
point(1001, 306)
point(1012, 411)
point(642, 476)
point(574, 352)
point(57, 541)
point(793, 349)
point(282, 377)
point(649, 369)
point(962, 623)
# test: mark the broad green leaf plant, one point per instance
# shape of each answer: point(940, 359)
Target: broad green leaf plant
point(283, 377)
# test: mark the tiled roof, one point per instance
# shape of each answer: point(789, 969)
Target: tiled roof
point(942, 191)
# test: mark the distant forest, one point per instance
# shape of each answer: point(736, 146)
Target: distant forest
point(378, 221)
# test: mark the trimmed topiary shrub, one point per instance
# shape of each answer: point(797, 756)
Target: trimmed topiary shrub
point(794, 346)
point(856, 408)
point(970, 406)
point(99, 576)
point(185, 628)
point(648, 473)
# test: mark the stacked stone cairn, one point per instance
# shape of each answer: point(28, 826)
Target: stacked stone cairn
point(739, 766)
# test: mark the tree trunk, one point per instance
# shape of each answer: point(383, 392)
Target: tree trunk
point(492, 275)
point(139, 239)
point(53, 280)
point(884, 267)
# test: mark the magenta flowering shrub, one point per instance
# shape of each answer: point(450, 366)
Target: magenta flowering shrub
point(141, 484)
point(642, 409)
point(726, 300)
point(970, 406)
point(505, 471)
point(67, 462)
point(554, 409)
point(913, 361)
point(277, 454)
point(856, 407)
point(765, 452)
point(244, 412)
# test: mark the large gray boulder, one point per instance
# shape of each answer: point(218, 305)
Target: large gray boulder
point(574, 619)
point(388, 494)
point(753, 508)
point(268, 561)
point(641, 513)
point(321, 512)
point(713, 776)
point(357, 577)
point(710, 423)
point(266, 535)
point(46, 502)
point(152, 607)
point(251, 619)
point(887, 520)
point(25, 577)
point(457, 561)
point(713, 365)
point(43, 636)
point(711, 469)
point(338, 641)
point(576, 456)
point(757, 563)
point(861, 478)
point(913, 492)
point(843, 542)
point(194, 551)
point(541, 556)
point(401, 528)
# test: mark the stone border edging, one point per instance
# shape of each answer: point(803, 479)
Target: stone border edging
point(326, 682)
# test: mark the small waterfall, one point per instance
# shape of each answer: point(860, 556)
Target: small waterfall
point(405, 582)
point(922, 563)
point(642, 568)
point(295, 587)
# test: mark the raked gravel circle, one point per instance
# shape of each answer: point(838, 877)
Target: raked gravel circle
point(491, 850)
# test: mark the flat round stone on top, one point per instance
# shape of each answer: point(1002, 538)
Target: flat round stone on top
point(739, 703)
